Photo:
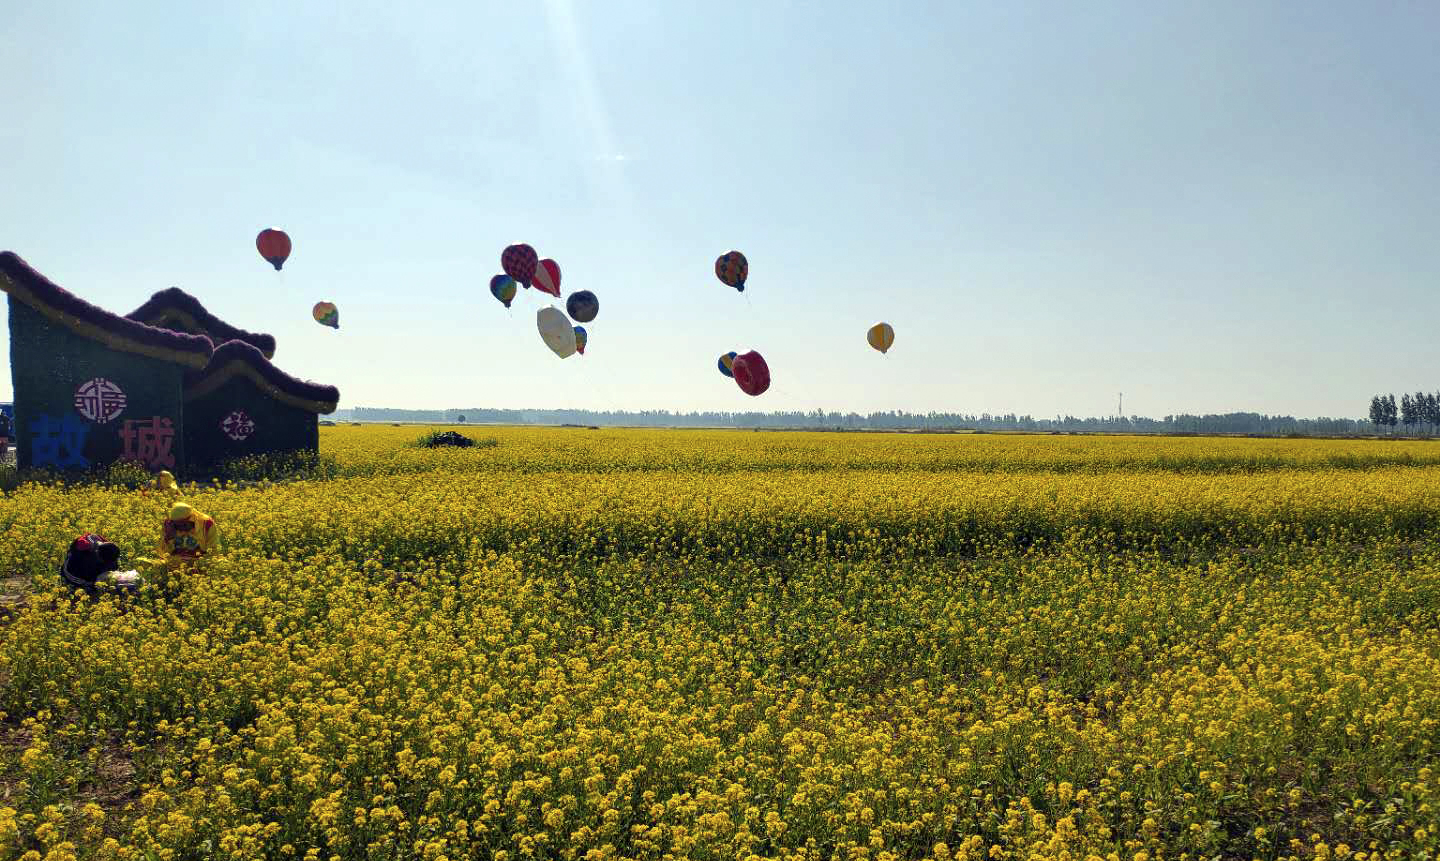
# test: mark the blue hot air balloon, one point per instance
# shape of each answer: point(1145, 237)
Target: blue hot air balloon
point(726, 360)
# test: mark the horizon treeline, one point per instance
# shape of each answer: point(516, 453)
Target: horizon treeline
point(1419, 413)
point(1238, 422)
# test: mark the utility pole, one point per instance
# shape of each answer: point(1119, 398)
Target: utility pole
point(1120, 410)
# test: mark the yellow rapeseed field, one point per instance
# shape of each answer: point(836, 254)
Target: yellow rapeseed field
point(584, 644)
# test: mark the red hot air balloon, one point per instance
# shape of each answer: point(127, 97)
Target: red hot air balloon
point(274, 246)
point(751, 373)
point(547, 277)
point(519, 261)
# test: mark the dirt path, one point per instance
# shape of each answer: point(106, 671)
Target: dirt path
point(13, 593)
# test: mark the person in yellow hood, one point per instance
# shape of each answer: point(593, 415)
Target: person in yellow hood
point(187, 534)
point(165, 483)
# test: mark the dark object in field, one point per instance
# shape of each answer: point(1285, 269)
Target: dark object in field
point(444, 438)
point(89, 557)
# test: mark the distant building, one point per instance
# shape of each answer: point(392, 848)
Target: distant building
point(92, 387)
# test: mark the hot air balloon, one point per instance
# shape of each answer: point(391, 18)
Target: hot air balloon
point(582, 306)
point(326, 314)
point(502, 287)
point(519, 261)
point(580, 339)
point(732, 269)
point(547, 277)
point(274, 246)
point(725, 361)
point(881, 336)
point(751, 373)
point(556, 331)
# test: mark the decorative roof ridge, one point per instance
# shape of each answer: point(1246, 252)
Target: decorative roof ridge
point(64, 308)
point(174, 303)
point(237, 357)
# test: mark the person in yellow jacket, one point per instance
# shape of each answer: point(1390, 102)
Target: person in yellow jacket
point(165, 483)
point(187, 534)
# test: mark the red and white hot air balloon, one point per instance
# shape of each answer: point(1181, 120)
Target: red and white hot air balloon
point(547, 277)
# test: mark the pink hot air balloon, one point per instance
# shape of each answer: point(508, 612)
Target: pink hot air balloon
point(547, 277)
point(751, 373)
point(519, 261)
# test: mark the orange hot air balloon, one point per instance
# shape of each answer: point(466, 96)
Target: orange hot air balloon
point(881, 336)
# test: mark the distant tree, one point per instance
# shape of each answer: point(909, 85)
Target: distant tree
point(1407, 411)
point(462, 418)
point(1377, 411)
point(1391, 414)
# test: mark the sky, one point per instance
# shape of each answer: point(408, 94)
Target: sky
point(1207, 206)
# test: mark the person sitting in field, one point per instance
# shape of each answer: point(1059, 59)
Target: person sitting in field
point(91, 561)
point(165, 483)
point(186, 537)
point(187, 534)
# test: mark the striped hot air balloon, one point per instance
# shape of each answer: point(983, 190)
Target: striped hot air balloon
point(726, 360)
point(502, 287)
point(547, 277)
point(326, 314)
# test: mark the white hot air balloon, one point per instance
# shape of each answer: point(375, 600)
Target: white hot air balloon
point(556, 330)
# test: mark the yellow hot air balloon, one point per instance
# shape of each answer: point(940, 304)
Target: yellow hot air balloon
point(881, 336)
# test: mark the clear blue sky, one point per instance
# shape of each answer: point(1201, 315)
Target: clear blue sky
point(1209, 206)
